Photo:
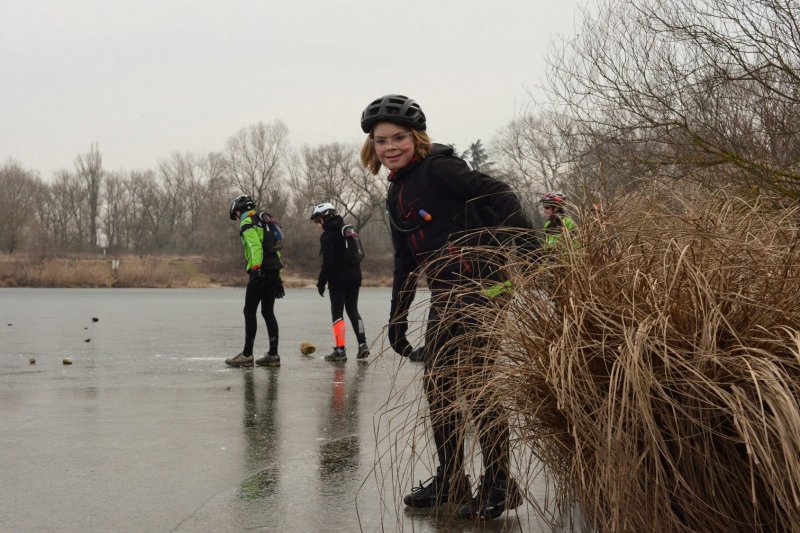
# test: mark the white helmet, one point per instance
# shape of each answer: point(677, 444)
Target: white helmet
point(323, 210)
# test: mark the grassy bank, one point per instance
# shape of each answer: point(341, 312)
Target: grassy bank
point(97, 271)
point(134, 271)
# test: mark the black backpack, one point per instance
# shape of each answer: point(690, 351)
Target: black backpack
point(273, 234)
point(353, 249)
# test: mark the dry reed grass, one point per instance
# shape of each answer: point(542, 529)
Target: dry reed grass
point(90, 272)
point(653, 374)
point(655, 371)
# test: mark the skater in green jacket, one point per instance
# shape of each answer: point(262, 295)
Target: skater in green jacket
point(261, 252)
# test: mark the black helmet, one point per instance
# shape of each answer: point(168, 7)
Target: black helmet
point(241, 203)
point(394, 108)
point(322, 210)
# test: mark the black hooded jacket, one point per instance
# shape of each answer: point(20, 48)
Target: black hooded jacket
point(335, 271)
point(431, 203)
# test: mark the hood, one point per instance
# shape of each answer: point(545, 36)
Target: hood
point(334, 223)
point(441, 149)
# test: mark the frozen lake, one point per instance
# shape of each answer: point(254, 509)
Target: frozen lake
point(148, 430)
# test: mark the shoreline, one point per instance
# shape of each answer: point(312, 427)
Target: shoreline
point(289, 283)
point(155, 272)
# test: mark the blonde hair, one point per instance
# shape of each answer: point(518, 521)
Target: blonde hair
point(422, 147)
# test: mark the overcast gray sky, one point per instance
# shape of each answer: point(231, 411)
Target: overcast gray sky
point(144, 79)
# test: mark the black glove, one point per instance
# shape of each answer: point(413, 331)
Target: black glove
point(398, 325)
point(417, 355)
point(255, 274)
point(397, 337)
point(321, 290)
point(279, 292)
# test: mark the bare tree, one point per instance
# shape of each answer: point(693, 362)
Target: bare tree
point(114, 214)
point(532, 153)
point(129, 210)
point(177, 174)
point(89, 167)
point(683, 86)
point(69, 208)
point(207, 200)
point(255, 161)
point(18, 204)
point(147, 222)
point(333, 172)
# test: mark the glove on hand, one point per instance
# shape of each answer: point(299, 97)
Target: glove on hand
point(417, 355)
point(398, 325)
point(321, 290)
point(279, 292)
point(397, 337)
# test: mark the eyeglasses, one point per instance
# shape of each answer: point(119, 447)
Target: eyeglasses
point(394, 140)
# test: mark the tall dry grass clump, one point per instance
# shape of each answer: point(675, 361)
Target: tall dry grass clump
point(654, 371)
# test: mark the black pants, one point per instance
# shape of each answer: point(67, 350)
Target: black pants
point(347, 299)
point(261, 290)
point(459, 363)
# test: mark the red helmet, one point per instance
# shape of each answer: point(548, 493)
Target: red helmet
point(553, 199)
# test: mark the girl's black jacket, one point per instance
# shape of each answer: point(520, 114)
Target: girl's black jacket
point(431, 203)
point(335, 271)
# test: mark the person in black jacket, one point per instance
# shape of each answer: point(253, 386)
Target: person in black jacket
point(343, 280)
point(433, 202)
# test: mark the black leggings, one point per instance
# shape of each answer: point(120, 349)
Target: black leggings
point(260, 290)
point(342, 299)
point(456, 365)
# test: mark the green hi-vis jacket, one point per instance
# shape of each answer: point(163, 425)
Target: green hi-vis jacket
point(552, 230)
point(252, 239)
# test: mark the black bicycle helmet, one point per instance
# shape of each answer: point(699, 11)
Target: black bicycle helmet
point(241, 203)
point(394, 108)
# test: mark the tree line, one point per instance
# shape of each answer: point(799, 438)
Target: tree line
point(181, 207)
point(707, 91)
